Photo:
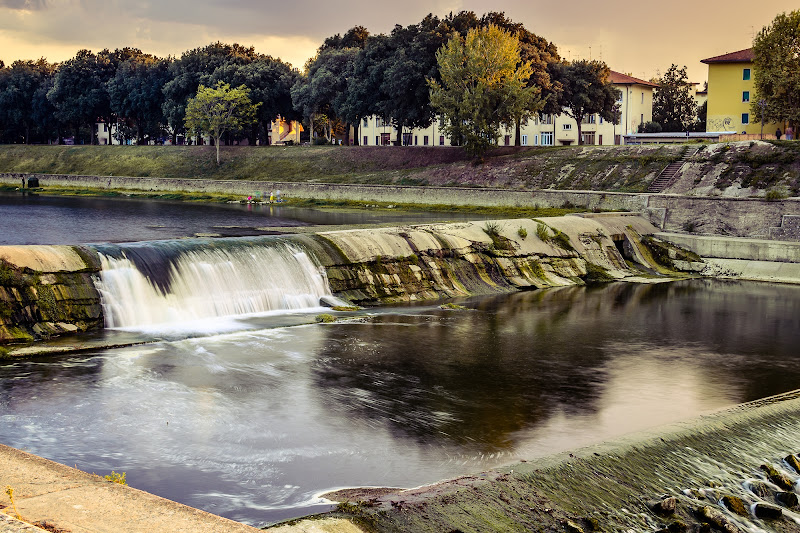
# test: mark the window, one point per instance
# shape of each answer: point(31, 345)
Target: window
point(745, 96)
point(380, 122)
point(365, 140)
point(406, 139)
point(547, 138)
point(566, 127)
point(745, 118)
point(425, 140)
point(507, 140)
point(642, 96)
point(524, 140)
point(746, 74)
point(589, 119)
point(366, 122)
point(416, 140)
point(441, 140)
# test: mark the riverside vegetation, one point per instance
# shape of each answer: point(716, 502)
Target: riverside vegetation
point(758, 166)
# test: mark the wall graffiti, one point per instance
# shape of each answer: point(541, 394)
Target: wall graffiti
point(720, 124)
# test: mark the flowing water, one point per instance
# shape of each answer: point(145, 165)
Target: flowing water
point(41, 219)
point(238, 414)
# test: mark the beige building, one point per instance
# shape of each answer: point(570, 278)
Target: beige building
point(635, 103)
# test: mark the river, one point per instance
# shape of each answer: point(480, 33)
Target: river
point(253, 420)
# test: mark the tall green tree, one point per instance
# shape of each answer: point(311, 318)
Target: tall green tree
point(136, 94)
point(193, 68)
point(776, 72)
point(220, 109)
point(323, 86)
point(270, 82)
point(673, 104)
point(482, 84)
point(20, 86)
point(539, 53)
point(586, 90)
point(80, 93)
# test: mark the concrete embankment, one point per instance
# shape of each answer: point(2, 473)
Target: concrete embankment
point(741, 217)
point(49, 290)
point(750, 259)
point(60, 498)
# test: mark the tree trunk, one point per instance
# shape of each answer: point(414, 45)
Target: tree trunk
point(518, 132)
point(217, 139)
point(347, 134)
point(139, 132)
point(355, 131)
point(580, 138)
point(27, 134)
point(399, 133)
point(311, 129)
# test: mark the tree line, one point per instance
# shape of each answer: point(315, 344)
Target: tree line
point(410, 77)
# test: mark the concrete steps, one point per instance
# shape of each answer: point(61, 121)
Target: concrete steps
point(664, 179)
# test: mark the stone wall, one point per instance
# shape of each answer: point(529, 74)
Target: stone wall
point(47, 291)
point(741, 217)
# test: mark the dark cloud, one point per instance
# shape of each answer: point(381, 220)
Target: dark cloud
point(31, 5)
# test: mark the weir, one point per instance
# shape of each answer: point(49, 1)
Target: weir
point(52, 290)
point(171, 282)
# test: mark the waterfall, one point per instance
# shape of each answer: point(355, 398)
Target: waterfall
point(153, 284)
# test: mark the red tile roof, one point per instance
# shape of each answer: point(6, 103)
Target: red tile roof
point(623, 79)
point(742, 56)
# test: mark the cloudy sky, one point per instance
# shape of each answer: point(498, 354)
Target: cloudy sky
point(642, 37)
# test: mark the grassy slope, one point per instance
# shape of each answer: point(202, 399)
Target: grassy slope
point(618, 168)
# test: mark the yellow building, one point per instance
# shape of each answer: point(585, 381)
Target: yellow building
point(730, 94)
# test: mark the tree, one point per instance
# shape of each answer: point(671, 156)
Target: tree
point(270, 82)
point(586, 91)
point(484, 83)
point(324, 84)
point(195, 67)
point(136, 94)
point(673, 104)
point(776, 72)
point(79, 92)
point(19, 89)
point(220, 109)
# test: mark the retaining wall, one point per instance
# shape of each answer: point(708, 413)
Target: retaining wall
point(742, 217)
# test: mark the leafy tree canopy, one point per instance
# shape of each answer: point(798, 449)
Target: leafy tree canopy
point(673, 104)
point(586, 90)
point(483, 82)
point(220, 109)
point(776, 76)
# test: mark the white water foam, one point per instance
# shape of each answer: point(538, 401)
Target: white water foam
point(209, 285)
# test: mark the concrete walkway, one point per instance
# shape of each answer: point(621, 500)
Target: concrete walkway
point(69, 500)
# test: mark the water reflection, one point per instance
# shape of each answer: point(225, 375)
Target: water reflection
point(42, 219)
point(251, 425)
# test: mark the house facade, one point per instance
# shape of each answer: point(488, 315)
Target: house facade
point(636, 107)
point(731, 93)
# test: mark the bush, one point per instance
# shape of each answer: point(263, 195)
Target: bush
point(650, 127)
point(775, 195)
point(522, 232)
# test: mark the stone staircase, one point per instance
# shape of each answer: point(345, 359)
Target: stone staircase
point(664, 179)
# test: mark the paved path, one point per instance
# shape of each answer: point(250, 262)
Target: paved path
point(76, 502)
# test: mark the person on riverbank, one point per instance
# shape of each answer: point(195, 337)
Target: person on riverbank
point(789, 133)
point(778, 134)
point(23, 182)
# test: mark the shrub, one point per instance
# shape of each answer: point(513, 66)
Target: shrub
point(325, 318)
point(522, 232)
point(774, 195)
point(118, 478)
point(543, 232)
